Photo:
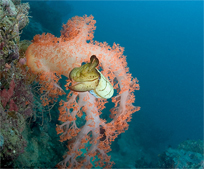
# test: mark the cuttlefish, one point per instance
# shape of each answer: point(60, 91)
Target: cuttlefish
point(88, 78)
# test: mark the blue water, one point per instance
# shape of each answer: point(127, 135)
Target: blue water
point(164, 47)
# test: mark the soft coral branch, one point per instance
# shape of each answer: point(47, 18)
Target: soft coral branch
point(81, 136)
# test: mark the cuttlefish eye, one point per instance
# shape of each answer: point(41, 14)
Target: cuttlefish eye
point(88, 78)
point(83, 63)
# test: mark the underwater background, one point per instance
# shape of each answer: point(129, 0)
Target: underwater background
point(163, 43)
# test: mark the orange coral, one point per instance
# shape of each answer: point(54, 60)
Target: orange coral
point(49, 55)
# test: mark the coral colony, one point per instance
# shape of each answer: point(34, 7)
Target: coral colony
point(15, 93)
point(50, 57)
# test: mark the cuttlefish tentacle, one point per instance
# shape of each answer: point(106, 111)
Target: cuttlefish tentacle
point(88, 78)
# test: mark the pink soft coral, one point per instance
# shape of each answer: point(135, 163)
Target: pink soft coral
point(48, 55)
